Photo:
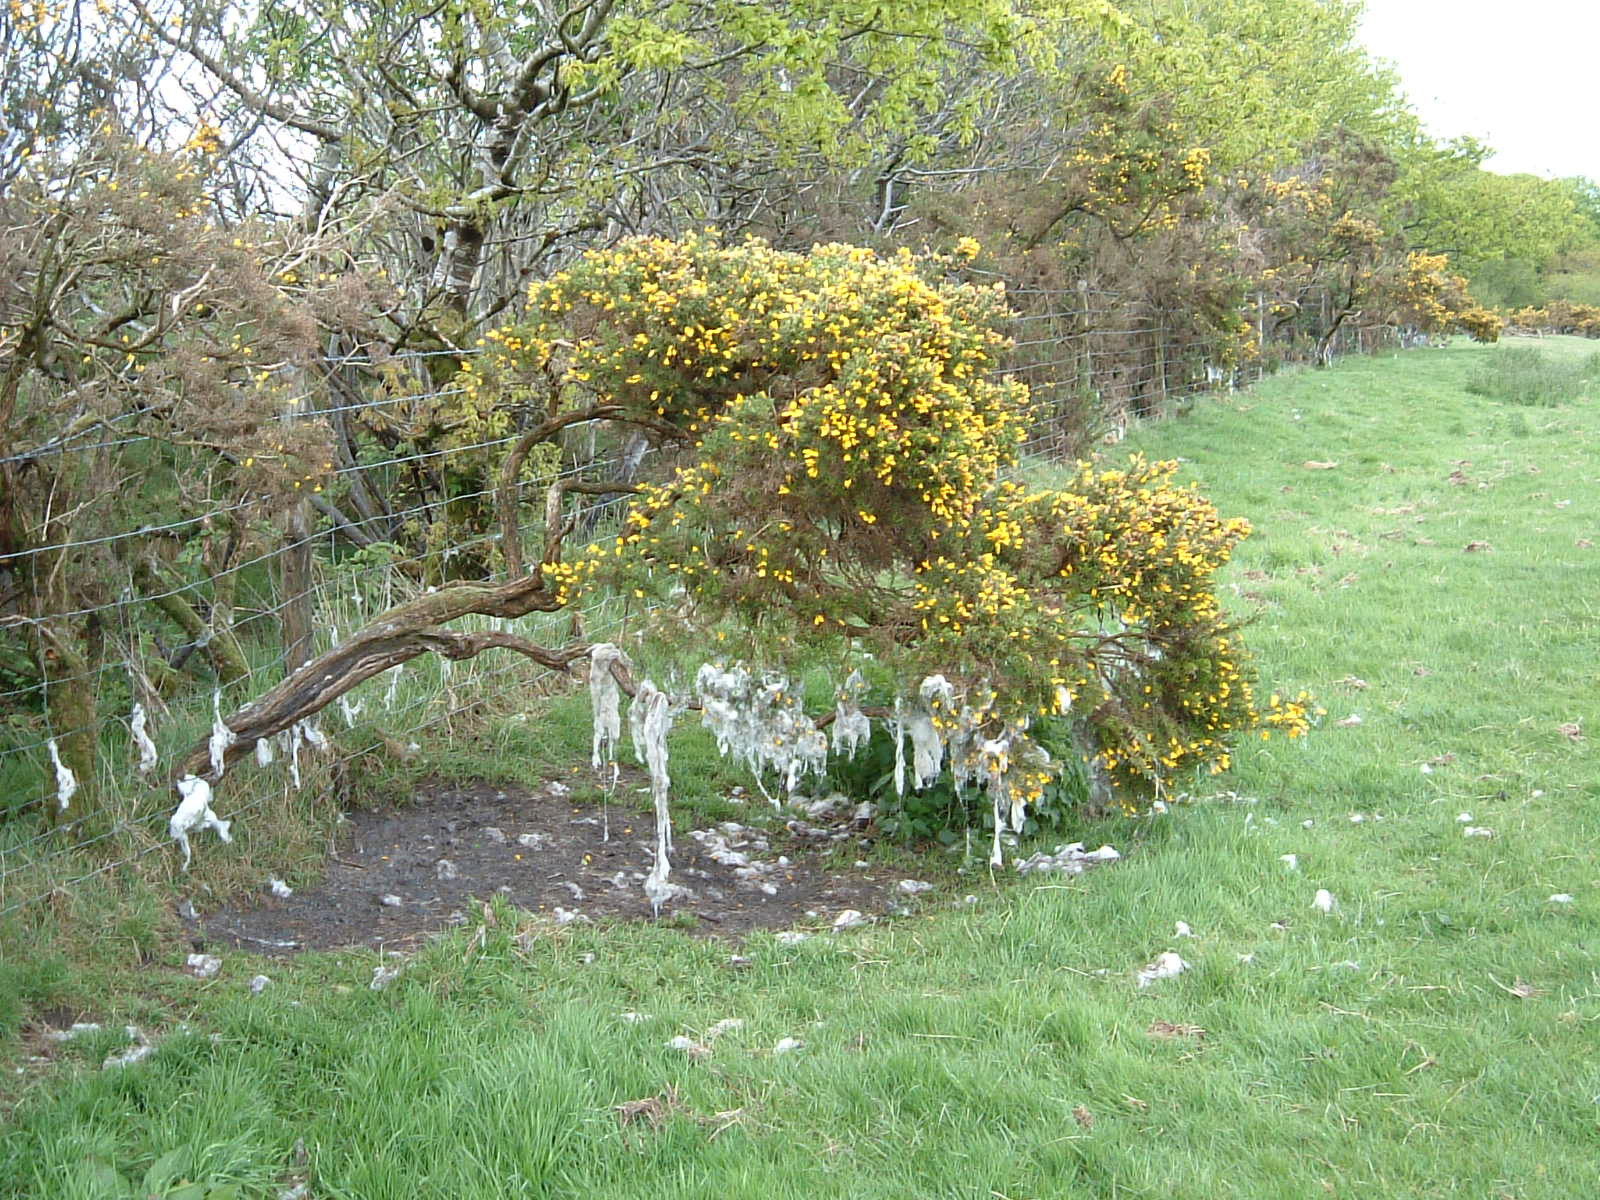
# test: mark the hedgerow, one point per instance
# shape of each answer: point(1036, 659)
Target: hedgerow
point(1559, 316)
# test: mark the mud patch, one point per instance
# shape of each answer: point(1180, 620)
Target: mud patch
point(397, 876)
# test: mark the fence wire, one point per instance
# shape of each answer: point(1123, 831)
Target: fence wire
point(1094, 361)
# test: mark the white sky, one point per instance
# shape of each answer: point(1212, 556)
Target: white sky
point(1521, 75)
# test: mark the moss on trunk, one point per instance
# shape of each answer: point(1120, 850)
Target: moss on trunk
point(74, 717)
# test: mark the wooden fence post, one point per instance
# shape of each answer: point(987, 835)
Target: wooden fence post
point(294, 580)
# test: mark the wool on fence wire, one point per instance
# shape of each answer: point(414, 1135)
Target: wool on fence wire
point(66, 781)
point(194, 813)
point(139, 727)
point(17, 857)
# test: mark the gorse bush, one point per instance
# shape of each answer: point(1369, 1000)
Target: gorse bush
point(1559, 316)
point(1523, 375)
point(841, 495)
point(1432, 298)
point(837, 446)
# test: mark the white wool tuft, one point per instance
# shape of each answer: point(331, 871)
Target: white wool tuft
point(350, 711)
point(147, 749)
point(604, 698)
point(221, 736)
point(898, 731)
point(761, 725)
point(649, 722)
point(1165, 966)
point(66, 781)
point(293, 733)
point(194, 812)
point(927, 726)
point(851, 727)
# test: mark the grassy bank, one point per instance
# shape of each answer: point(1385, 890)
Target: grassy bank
point(1422, 560)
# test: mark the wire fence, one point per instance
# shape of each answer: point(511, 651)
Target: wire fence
point(194, 615)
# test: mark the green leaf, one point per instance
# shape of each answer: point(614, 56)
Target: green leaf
point(164, 1170)
point(100, 1181)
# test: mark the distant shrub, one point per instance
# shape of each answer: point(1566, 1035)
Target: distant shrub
point(1437, 301)
point(1523, 375)
point(1558, 316)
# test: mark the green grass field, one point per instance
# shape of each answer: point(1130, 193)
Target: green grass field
point(1437, 586)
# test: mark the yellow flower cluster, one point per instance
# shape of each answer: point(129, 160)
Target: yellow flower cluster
point(846, 398)
point(1437, 300)
point(1099, 598)
point(1290, 716)
point(206, 139)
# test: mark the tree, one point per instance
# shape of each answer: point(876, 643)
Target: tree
point(836, 494)
point(1503, 231)
point(139, 345)
point(496, 138)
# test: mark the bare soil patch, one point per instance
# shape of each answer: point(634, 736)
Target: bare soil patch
point(397, 876)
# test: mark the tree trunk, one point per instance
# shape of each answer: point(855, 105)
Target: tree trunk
point(457, 269)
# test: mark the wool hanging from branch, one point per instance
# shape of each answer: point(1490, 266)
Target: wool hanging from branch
point(852, 729)
point(761, 725)
point(649, 722)
point(926, 727)
point(221, 736)
point(604, 698)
